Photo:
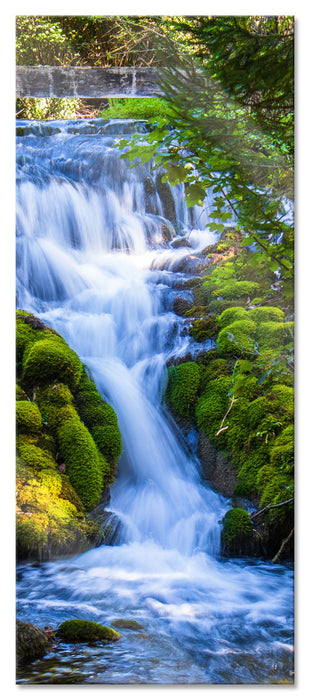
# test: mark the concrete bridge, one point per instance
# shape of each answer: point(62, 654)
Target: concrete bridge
point(85, 82)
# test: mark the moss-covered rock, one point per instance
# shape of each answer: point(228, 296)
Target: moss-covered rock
point(108, 440)
point(282, 451)
point(34, 456)
point(81, 458)
point(182, 388)
point(31, 642)
point(127, 624)
point(28, 417)
point(212, 406)
point(203, 328)
point(265, 314)
point(238, 338)
point(51, 360)
point(272, 334)
point(236, 290)
point(230, 315)
point(20, 394)
point(86, 631)
point(236, 523)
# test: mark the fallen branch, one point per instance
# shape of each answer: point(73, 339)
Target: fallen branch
point(226, 414)
point(283, 545)
point(274, 505)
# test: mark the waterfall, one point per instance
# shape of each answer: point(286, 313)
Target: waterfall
point(96, 260)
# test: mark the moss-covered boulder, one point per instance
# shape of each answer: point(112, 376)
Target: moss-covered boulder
point(182, 388)
point(81, 457)
point(75, 631)
point(31, 642)
point(28, 417)
point(55, 450)
point(212, 406)
point(237, 535)
point(238, 338)
point(50, 360)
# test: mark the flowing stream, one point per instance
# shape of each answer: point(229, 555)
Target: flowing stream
point(102, 253)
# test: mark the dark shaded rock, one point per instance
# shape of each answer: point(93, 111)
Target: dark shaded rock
point(217, 469)
point(181, 306)
point(166, 198)
point(31, 641)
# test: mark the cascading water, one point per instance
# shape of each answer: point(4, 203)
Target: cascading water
point(96, 262)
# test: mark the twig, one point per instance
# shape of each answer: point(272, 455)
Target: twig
point(226, 414)
point(283, 545)
point(274, 505)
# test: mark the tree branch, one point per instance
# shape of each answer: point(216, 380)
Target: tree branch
point(283, 545)
point(269, 507)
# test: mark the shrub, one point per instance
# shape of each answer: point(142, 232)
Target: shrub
point(236, 523)
point(237, 338)
point(81, 457)
point(51, 360)
point(28, 417)
point(86, 631)
point(182, 388)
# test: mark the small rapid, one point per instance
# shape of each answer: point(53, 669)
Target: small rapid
point(97, 261)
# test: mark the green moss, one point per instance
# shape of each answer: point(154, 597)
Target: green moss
point(282, 452)
point(81, 458)
point(248, 472)
point(285, 397)
point(236, 523)
point(50, 400)
point(202, 329)
point(86, 631)
point(25, 336)
point(212, 405)
point(278, 488)
point(273, 335)
point(20, 394)
point(108, 440)
point(237, 338)
point(265, 314)
point(217, 306)
point(216, 368)
point(28, 417)
point(68, 493)
point(230, 315)
point(51, 360)
point(237, 290)
point(35, 457)
point(51, 479)
point(182, 388)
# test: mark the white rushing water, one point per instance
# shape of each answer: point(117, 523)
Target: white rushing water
point(95, 261)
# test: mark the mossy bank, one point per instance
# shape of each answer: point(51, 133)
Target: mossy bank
point(240, 394)
point(68, 445)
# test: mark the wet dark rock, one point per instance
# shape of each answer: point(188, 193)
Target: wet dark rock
point(31, 641)
point(216, 467)
point(181, 306)
point(166, 198)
